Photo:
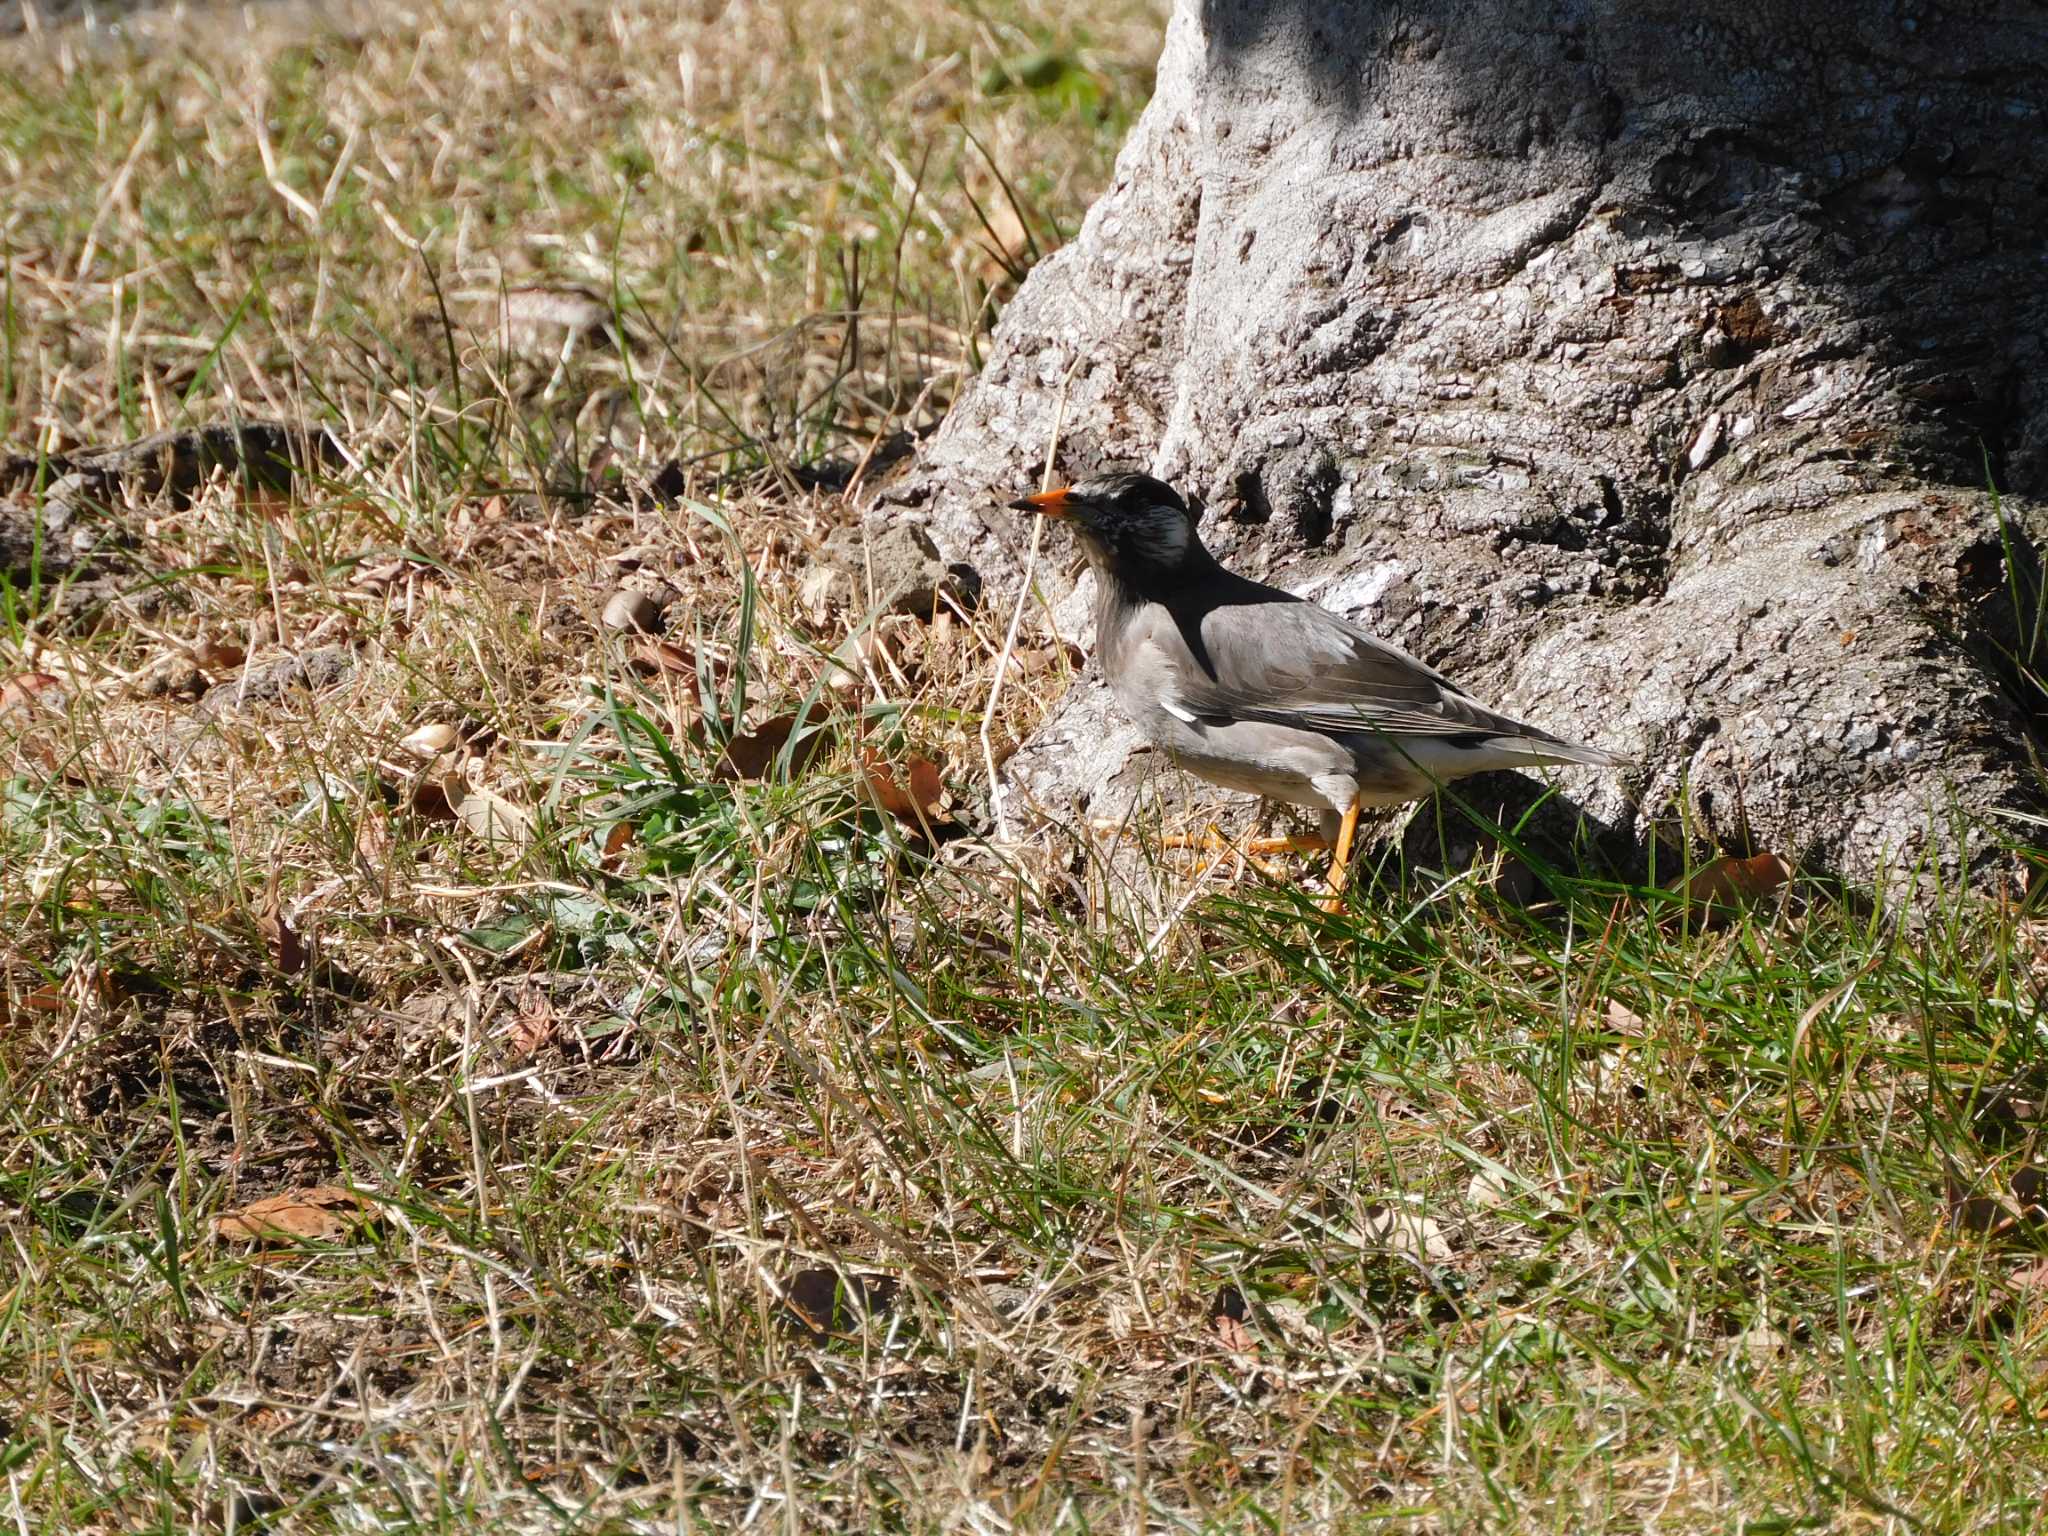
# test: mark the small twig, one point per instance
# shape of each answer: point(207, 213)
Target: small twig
point(995, 688)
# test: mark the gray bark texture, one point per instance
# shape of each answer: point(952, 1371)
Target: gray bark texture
point(1642, 364)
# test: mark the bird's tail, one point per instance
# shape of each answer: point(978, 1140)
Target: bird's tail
point(1549, 749)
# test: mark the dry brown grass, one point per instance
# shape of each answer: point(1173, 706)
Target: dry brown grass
point(699, 1153)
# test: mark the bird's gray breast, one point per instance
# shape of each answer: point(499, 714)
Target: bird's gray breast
point(1144, 673)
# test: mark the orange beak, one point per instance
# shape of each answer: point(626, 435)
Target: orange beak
point(1059, 503)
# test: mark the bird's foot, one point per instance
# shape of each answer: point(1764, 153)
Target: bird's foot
point(1244, 851)
point(1213, 841)
point(1252, 851)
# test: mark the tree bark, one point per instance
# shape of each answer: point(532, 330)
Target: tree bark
point(1645, 365)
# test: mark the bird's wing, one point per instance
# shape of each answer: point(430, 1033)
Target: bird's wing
point(1295, 664)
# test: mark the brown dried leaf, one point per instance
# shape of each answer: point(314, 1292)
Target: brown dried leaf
point(489, 815)
point(1227, 1314)
point(87, 987)
point(616, 842)
point(322, 1213)
point(824, 1302)
point(534, 1025)
point(1762, 1343)
point(1978, 1212)
point(2030, 1192)
point(1405, 1231)
point(430, 741)
point(219, 655)
point(751, 754)
point(1487, 1188)
point(171, 676)
point(650, 658)
point(633, 611)
point(287, 949)
point(537, 316)
point(1235, 1336)
point(913, 794)
point(435, 796)
point(1032, 661)
point(373, 836)
point(1622, 1019)
point(380, 577)
point(26, 688)
point(1007, 230)
point(1729, 883)
point(2030, 1279)
point(859, 654)
point(43, 1002)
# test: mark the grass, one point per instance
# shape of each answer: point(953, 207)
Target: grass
point(736, 1155)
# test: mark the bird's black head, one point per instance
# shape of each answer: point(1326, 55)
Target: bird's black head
point(1132, 526)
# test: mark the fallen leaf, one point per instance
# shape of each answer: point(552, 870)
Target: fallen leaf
point(1730, 883)
point(219, 655)
point(489, 815)
point(430, 741)
point(894, 655)
point(532, 316)
point(821, 589)
point(616, 842)
point(1404, 1231)
point(435, 796)
point(1975, 1210)
point(1006, 228)
point(44, 1001)
point(171, 676)
point(2030, 1191)
point(533, 1027)
point(287, 949)
point(322, 1213)
point(824, 1302)
point(633, 611)
point(2031, 1279)
point(1622, 1019)
point(1030, 661)
point(751, 754)
point(376, 579)
point(1761, 1343)
point(373, 837)
point(1227, 1314)
point(651, 657)
point(26, 688)
point(914, 795)
point(1487, 1188)
point(1235, 1336)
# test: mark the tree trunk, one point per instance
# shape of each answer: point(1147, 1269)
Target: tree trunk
point(1644, 365)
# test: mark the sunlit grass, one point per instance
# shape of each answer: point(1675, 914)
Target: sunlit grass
point(1441, 1212)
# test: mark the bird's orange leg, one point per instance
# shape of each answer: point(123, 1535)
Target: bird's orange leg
point(1339, 862)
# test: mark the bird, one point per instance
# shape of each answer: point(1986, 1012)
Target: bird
point(1255, 689)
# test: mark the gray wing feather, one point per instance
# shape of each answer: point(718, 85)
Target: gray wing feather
point(1295, 664)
